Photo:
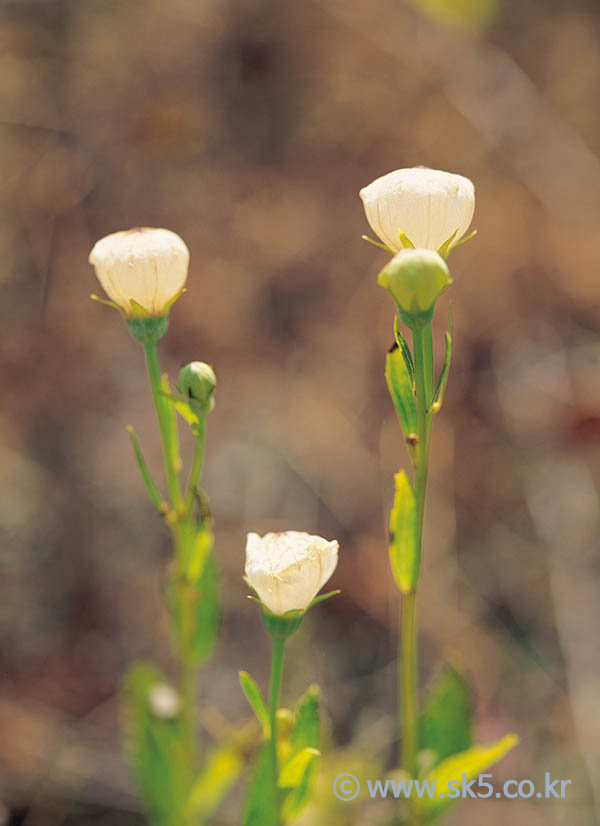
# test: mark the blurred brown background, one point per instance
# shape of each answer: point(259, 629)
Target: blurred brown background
point(248, 126)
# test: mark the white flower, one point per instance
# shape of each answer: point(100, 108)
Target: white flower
point(148, 266)
point(287, 570)
point(164, 701)
point(426, 205)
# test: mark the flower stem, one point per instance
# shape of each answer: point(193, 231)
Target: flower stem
point(187, 671)
point(408, 659)
point(196, 466)
point(163, 415)
point(274, 692)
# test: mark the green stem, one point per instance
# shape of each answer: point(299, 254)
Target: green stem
point(274, 692)
point(408, 659)
point(163, 414)
point(187, 671)
point(196, 466)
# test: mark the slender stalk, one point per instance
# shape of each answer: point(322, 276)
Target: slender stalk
point(196, 466)
point(274, 692)
point(408, 657)
point(162, 413)
point(187, 670)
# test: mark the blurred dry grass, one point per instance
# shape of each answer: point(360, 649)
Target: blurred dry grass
point(248, 127)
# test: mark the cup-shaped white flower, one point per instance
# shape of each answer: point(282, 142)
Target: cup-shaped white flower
point(427, 206)
point(287, 570)
point(142, 270)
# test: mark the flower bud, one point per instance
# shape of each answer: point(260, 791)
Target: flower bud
point(197, 382)
point(287, 570)
point(427, 206)
point(164, 701)
point(415, 279)
point(142, 270)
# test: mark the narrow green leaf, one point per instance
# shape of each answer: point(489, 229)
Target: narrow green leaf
point(155, 746)
point(305, 733)
point(261, 805)
point(257, 704)
point(220, 771)
point(401, 391)
point(404, 553)
point(446, 719)
point(299, 774)
point(471, 763)
point(292, 773)
point(406, 351)
point(438, 396)
point(151, 488)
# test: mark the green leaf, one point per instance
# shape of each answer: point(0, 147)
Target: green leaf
point(298, 772)
point(151, 488)
point(298, 775)
point(438, 396)
point(306, 731)
point(257, 704)
point(470, 763)
point(156, 748)
point(196, 610)
point(261, 805)
point(185, 411)
point(406, 351)
point(292, 773)
point(446, 719)
point(220, 771)
point(401, 390)
point(404, 553)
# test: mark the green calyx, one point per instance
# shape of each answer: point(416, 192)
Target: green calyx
point(415, 278)
point(282, 627)
point(197, 383)
point(148, 330)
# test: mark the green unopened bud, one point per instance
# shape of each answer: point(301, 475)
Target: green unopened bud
point(197, 382)
point(415, 279)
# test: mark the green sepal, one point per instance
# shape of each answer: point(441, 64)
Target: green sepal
point(153, 492)
point(156, 748)
point(404, 551)
point(379, 244)
point(282, 626)
point(108, 303)
point(440, 390)
point(406, 242)
point(446, 724)
point(147, 329)
point(253, 694)
point(471, 762)
point(464, 240)
point(323, 598)
point(444, 250)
